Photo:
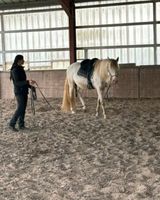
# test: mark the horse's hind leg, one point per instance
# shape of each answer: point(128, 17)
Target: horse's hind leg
point(72, 98)
point(81, 100)
point(97, 108)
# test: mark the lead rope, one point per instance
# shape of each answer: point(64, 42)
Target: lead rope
point(43, 96)
point(109, 85)
point(33, 96)
point(107, 91)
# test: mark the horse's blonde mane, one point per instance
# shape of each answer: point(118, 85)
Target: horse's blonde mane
point(101, 66)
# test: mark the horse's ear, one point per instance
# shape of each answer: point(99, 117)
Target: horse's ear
point(117, 59)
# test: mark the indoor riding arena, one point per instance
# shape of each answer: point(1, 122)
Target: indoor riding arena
point(80, 155)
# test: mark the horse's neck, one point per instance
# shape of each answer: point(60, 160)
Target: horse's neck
point(102, 71)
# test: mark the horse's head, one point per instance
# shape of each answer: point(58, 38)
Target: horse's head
point(113, 70)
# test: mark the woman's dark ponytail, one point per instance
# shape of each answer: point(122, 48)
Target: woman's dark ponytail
point(17, 58)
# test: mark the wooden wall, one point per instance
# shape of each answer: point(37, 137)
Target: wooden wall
point(134, 82)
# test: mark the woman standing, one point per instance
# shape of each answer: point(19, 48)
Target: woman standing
point(21, 86)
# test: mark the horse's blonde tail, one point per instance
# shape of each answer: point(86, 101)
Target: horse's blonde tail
point(66, 99)
point(68, 102)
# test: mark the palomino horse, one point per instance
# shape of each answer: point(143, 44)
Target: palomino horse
point(105, 73)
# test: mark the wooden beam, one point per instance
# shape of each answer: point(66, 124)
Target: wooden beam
point(69, 7)
point(66, 6)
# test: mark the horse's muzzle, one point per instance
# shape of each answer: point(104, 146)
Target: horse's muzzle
point(114, 79)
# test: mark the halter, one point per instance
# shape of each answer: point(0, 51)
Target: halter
point(111, 76)
point(109, 85)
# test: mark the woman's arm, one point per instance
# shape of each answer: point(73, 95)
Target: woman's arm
point(16, 77)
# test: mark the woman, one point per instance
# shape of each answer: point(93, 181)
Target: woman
point(21, 85)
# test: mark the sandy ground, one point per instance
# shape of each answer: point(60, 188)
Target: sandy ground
point(81, 157)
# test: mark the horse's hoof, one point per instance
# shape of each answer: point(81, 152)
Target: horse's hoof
point(96, 114)
point(84, 109)
point(73, 112)
point(104, 116)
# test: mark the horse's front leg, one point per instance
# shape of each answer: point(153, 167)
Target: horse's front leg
point(97, 108)
point(100, 98)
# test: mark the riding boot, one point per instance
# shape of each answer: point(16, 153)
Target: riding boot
point(89, 85)
point(12, 127)
point(14, 119)
point(21, 122)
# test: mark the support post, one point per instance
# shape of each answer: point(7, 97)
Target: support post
point(69, 7)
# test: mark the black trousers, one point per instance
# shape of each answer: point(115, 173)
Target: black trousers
point(19, 114)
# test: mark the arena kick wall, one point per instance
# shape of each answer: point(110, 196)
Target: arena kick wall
point(134, 82)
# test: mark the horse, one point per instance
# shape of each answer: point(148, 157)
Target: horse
point(105, 74)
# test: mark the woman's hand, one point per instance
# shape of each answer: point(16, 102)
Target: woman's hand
point(32, 82)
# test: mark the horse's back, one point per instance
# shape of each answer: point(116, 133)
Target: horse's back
point(73, 69)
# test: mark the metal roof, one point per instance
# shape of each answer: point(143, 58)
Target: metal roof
point(18, 4)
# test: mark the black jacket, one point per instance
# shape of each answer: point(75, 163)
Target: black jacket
point(21, 84)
